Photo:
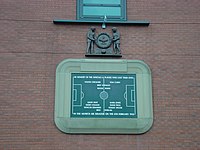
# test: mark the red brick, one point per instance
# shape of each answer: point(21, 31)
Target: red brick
point(31, 46)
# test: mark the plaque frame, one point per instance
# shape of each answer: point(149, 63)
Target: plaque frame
point(67, 124)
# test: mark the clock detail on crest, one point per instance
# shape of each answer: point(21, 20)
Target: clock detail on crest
point(103, 40)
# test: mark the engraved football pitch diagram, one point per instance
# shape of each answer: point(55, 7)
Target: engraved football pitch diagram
point(103, 95)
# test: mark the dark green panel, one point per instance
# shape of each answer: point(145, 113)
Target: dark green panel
point(96, 10)
point(101, 11)
point(103, 95)
point(101, 1)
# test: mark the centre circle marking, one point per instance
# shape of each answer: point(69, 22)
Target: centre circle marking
point(103, 95)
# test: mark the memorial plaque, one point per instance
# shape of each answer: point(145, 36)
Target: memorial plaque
point(103, 96)
point(97, 95)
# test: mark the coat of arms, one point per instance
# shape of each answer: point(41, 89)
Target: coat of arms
point(103, 44)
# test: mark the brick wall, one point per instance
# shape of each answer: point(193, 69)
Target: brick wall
point(31, 46)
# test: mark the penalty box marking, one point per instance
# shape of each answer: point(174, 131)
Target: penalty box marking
point(132, 96)
point(75, 95)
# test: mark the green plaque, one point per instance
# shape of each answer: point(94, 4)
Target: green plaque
point(103, 96)
point(96, 95)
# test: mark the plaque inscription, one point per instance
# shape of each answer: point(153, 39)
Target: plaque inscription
point(98, 95)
